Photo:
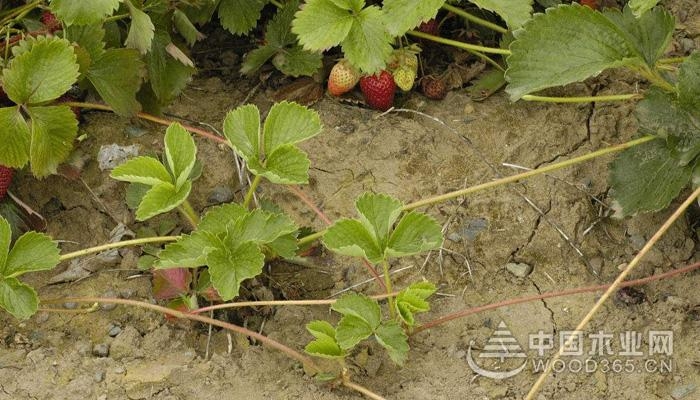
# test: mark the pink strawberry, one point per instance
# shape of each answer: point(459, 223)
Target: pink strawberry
point(433, 87)
point(431, 27)
point(49, 20)
point(378, 90)
point(5, 180)
point(343, 78)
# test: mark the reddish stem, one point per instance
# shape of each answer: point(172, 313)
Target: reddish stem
point(510, 302)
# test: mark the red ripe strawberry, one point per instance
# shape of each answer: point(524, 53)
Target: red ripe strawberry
point(49, 20)
point(5, 180)
point(431, 27)
point(590, 3)
point(343, 78)
point(378, 90)
point(433, 88)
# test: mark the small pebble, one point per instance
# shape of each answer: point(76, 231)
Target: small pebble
point(596, 264)
point(109, 294)
point(99, 376)
point(114, 331)
point(520, 270)
point(682, 392)
point(220, 194)
point(70, 305)
point(119, 370)
point(346, 128)
point(100, 350)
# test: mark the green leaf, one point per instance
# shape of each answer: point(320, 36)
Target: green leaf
point(15, 138)
point(378, 212)
point(349, 237)
point(44, 70)
point(167, 75)
point(639, 7)
point(286, 165)
point(650, 34)
point(81, 12)
point(297, 62)
point(689, 82)
point(278, 32)
point(413, 300)
point(190, 251)
point(361, 307)
point(261, 227)
point(240, 16)
point(322, 24)
point(256, 58)
point(33, 251)
point(180, 152)
point(117, 75)
point(289, 123)
point(567, 44)
point(17, 298)
point(53, 130)
point(325, 344)
point(646, 178)
point(402, 15)
point(415, 233)
point(146, 170)
point(5, 240)
point(185, 27)
point(88, 37)
point(352, 330)
point(141, 31)
point(515, 12)
point(161, 198)
point(218, 218)
point(231, 266)
point(284, 246)
point(393, 338)
point(368, 45)
point(242, 129)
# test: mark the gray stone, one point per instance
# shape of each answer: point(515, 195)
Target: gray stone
point(220, 194)
point(683, 391)
point(520, 270)
point(100, 350)
point(99, 376)
point(127, 344)
point(114, 330)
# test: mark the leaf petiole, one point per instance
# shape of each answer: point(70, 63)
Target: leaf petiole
point(389, 289)
point(581, 99)
point(474, 19)
point(458, 44)
point(251, 191)
point(117, 245)
point(189, 213)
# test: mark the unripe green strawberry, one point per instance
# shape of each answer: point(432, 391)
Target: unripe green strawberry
point(5, 180)
point(343, 78)
point(405, 77)
point(379, 90)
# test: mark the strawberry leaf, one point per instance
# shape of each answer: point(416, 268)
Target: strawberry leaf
point(646, 178)
point(287, 165)
point(413, 300)
point(568, 43)
point(289, 123)
point(88, 37)
point(402, 15)
point(217, 219)
point(42, 70)
point(378, 213)
point(322, 24)
point(141, 31)
point(18, 299)
point(240, 16)
point(324, 345)
point(171, 283)
point(15, 138)
point(31, 252)
point(166, 75)
point(352, 330)
point(180, 153)
point(639, 7)
point(256, 58)
point(242, 129)
point(414, 234)
point(650, 34)
point(5, 241)
point(53, 130)
point(296, 61)
point(117, 75)
point(161, 198)
point(81, 12)
point(145, 170)
point(393, 338)
point(189, 251)
point(185, 28)
point(514, 12)
point(229, 266)
point(368, 45)
point(361, 307)
point(261, 227)
point(350, 238)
